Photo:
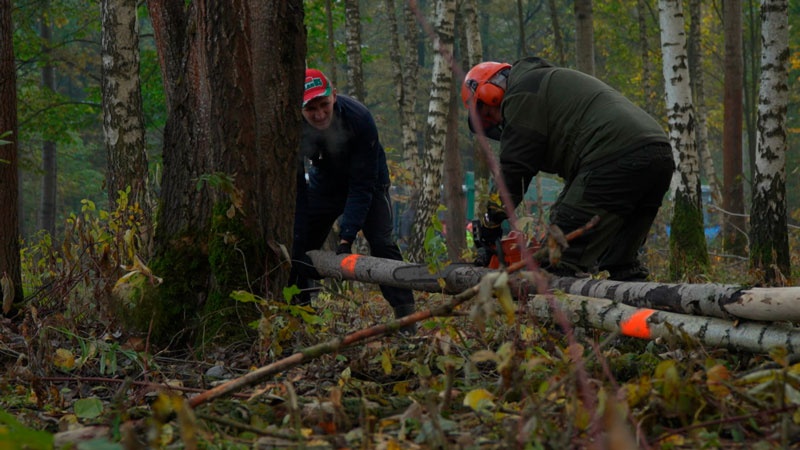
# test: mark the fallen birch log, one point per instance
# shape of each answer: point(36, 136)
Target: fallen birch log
point(714, 300)
point(651, 324)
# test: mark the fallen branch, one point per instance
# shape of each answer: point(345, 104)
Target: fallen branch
point(651, 324)
point(335, 345)
point(136, 383)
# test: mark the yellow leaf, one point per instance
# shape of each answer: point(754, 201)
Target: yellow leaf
point(479, 399)
point(715, 376)
point(231, 212)
point(64, 359)
point(386, 362)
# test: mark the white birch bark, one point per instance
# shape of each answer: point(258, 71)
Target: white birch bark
point(123, 119)
point(688, 256)
point(436, 129)
point(769, 234)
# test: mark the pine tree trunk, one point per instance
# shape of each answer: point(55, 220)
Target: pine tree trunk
point(123, 120)
point(454, 198)
point(331, 43)
point(9, 226)
point(355, 72)
point(734, 235)
point(472, 56)
point(584, 36)
point(218, 61)
point(429, 196)
point(769, 241)
point(558, 39)
point(644, 49)
point(688, 253)
point(698, 89)
point(47, 203)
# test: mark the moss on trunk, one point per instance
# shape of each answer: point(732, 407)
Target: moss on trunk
point(236, 259)
point(687, 243)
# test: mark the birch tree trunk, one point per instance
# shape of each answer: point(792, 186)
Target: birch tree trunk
point(435, 132)
point(218, 60)
point(355, 72)
point(405, 85)
point(331, 43)
point(688, 253)
point(698, 89)
point(474, 55)
point(123, 121)
point(10, 278)
point(584, 36)
point(734, 235)
point(769, 242)
point(558, 36)
point(47, 203)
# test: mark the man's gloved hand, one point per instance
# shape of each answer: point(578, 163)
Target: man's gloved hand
point(495, 213)
point(484, 257)
point(344, 247)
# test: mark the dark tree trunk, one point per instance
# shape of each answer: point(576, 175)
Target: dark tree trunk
point(9, 239)
point(355, 72)
point(331, 42)
point(734, 231)
point(558, 39)
point(584, 36)
point(47, 204)
point(454, 200)
point(233, 76)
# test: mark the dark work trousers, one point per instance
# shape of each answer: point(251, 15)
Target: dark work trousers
point(317, 219)
point(626, 193)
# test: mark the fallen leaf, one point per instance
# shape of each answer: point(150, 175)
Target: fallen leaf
point(64, 359)
point(479, 399)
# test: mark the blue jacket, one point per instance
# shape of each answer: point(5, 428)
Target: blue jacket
point(348, 163)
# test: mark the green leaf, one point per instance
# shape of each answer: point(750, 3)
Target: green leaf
point(88, 408)
point(289, 292)
point(11, 431)
point(247, 297)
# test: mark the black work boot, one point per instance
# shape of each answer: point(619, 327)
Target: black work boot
point(402, 311)
point(630, 272)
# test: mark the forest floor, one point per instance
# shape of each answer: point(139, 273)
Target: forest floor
point(470, 380)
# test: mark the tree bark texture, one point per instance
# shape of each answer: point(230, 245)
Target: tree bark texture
point(698, 89)
point(123, 120)
point(404, 74)
point(472, 56)
point(233, 76)
point(584, 36)
point(522, 47)
point(9, 226)
point(558, 37)
point(331, 43)
point(355, 71)
point(454, 198)
point(429, 196)
point(688, 253)
point(644, 50)
point(47, 201)
point(650, 324)
point(769, 241)
point(708, 299)
point(734, 233)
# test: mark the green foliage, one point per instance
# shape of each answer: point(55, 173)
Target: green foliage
point(435, 244)
point(81, 271)
point(88, 408)
point(688, 251)
point(14, 434)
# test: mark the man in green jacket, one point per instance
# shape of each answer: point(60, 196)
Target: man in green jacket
point(614, 158)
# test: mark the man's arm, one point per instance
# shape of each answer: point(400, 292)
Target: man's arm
point(362, 178)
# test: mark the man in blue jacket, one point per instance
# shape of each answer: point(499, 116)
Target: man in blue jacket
point(348, 177)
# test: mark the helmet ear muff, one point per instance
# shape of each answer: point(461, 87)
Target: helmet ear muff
point(490, 94)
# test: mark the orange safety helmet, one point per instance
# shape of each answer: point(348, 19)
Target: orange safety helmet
point(483, 82)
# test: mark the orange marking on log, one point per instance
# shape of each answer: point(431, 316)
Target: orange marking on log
point(637, 326)
point(349, 265)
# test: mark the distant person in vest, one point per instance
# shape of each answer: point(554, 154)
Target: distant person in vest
point(348, 177)
point(615, 160)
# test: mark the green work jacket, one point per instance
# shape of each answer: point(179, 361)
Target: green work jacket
point(562, 121)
